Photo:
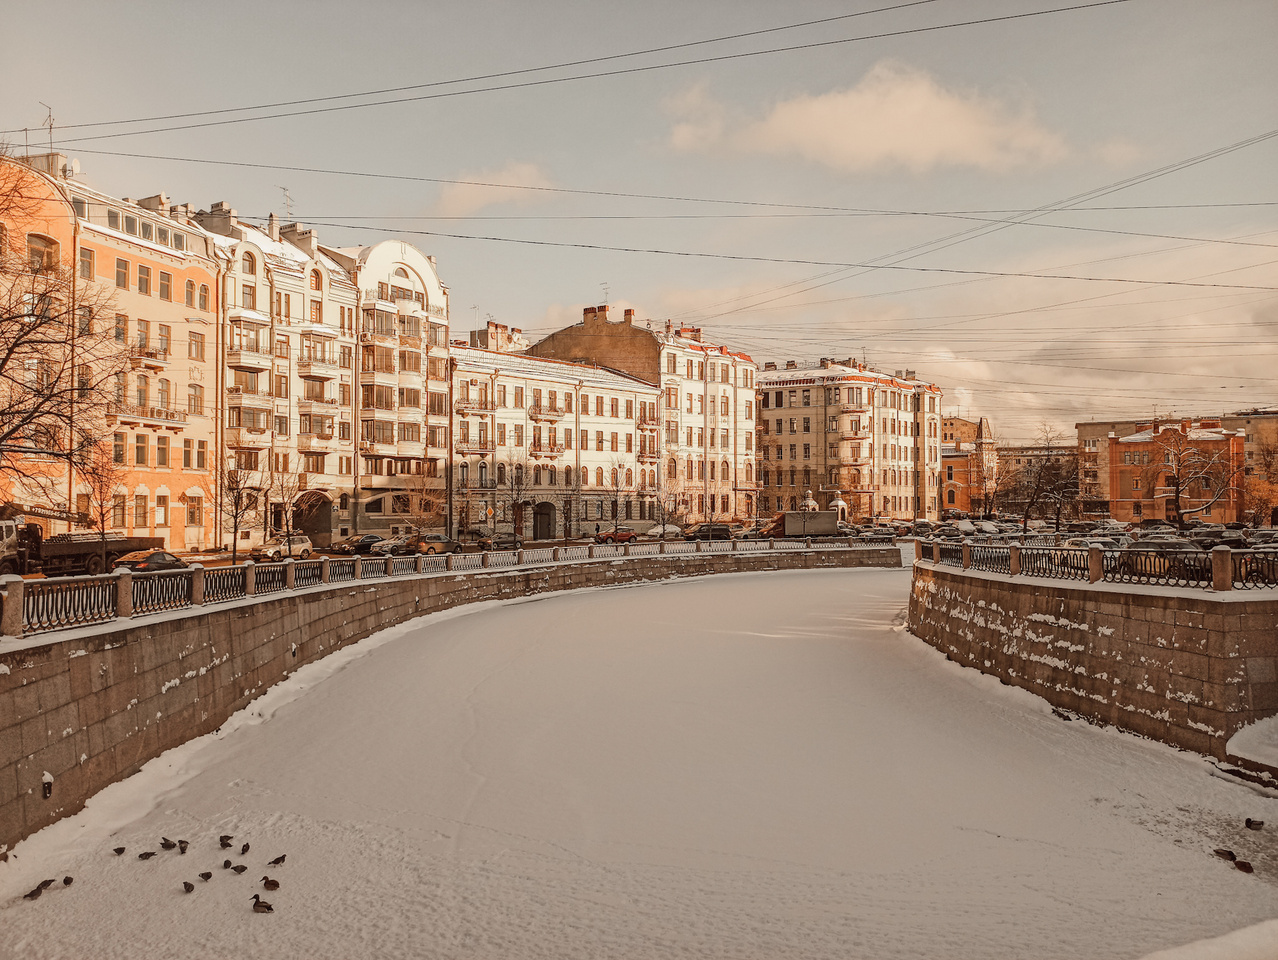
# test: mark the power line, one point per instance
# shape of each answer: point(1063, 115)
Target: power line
point(604, 73)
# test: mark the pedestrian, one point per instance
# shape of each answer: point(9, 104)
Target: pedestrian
point(596, 529)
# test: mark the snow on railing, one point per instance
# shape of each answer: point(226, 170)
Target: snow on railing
point(39, 605)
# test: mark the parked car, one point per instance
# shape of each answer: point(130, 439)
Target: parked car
point(360, 543)
point(277, 548)
point(391, 545)
point(619, 535)
point(413, 543)
point(1176, 558)
point(664, 530)
point(144, 561)
point(501, 541)
point(1267, 535)
point(714, 531)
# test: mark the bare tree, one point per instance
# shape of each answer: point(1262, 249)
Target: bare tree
point(58, 355)
point(514, 484)
point(620, 481)
point(1260, 486)
point(1048, 479)
point(239, 493)
point(425, 502)
point(572, 500)
point(101, 498)
point(282, 491)
point(1198, 473)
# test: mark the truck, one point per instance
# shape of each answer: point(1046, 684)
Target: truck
point(24, 549)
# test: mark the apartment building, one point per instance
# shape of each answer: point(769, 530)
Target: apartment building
point(549, 448)
point(847, 432)
point(160, 273)
point(704, 428)
point(1177, 470)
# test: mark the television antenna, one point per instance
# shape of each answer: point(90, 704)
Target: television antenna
point(288, 203)
point(48, 123)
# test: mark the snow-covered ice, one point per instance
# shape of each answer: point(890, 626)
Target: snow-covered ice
point(751, 766)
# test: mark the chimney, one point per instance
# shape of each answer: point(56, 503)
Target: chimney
point(588, 315)
point(157, 203)
point(272, 227)
point(769, 365)
point(629, 317)
point(602, 313)
point(825, 363)
point(300, 237)
point(792, 364)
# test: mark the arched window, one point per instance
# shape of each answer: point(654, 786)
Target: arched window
point(463, 472)
point(537, 476)
point(599, 477)
point(43, 253)
point(483, 472)
point(723, 504)
point(344, 502)
point(630, 478)
point(204, 296)
point(614, 476)
point(724, 473)
point(672, 469)
point(550, 475)
point(517, 476)
point(399, 272)
point(317, 280)
point(248, 264)
point(567, 476)
point(190, 293)
point(688, 475)
point(712, 470)
point(501, 473)
point(749, 472)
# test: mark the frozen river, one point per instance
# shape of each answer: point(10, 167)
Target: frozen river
point(754, 766)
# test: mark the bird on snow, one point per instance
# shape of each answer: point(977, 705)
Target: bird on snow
point(46, 884)
point(206, 876)
point(260, 905)
point(34, 894)
point(239, 868)
point(269, 884)
point(278, 860)
point(67, 881)
point(226, 864)
point(1254, 824)
point(1226, 854)
point(119, 851)
point(226, 837)
point(182, 845)
point(225, 843)
point(244, 849)
point(146, 856)
point(1243, 865)
point(188, 886)
point(166, 843)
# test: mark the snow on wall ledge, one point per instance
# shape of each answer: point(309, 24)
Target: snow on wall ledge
point(1189, 669)
point(91, 705)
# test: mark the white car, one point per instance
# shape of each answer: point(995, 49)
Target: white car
point(664, 530)
point(277, 548)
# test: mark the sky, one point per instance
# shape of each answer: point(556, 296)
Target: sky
point(714, 775)
point(1055, 216)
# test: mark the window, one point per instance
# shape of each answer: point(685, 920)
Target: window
point(317, 280)
point(122, 274)
point(248, 296)
point(195, 346)
point(248, 264)
point(204, 296)
point(317, 312)
point(144, 280)
point(117, 449)
point(195, 399)
point(117, 510)
point(86, 263)
point(166, 286)
point(139, 450)
point(195, 512)
point(161, 451)
point(161, 511)
point(139, 510)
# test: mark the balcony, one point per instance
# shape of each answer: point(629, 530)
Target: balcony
point(317, 369)
point(540, 411)
point(149, 358)
point(316, 443)
point(647, 422)
point(548, 451)
point(384, 378)
point(854, 433)
point(410, 448)
point(852, 407)
point(251, 438)
point(246, 358)
point(481, 446)
point(247, 397)
point(475, 405)
point(371, 448)
point(132, 412)
point(324, 406)
point(648, 456)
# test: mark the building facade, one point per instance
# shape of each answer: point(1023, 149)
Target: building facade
point(1176, 471)
point(546, 448)
point(839, 429)
point(703, 431)
point(970, 462)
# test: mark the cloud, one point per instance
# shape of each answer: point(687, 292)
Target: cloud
point(896, 117)
point(464, 199)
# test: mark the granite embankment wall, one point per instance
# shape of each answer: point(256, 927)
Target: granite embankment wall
point(1187, 667)
point(89, 706)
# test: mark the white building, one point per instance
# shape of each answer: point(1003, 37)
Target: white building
point(549, 448)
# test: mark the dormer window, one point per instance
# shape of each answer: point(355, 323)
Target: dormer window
point(317, 281)
point(249, 264)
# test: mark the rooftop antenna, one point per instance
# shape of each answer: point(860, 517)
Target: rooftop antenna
point(605, 291)
point(288, 203)
point(475, 307)
point(48, 123)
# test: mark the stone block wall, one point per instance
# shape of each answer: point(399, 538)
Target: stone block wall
point(93, 707)
point(1189, 668)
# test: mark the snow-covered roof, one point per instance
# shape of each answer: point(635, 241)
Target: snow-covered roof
point(473, 359)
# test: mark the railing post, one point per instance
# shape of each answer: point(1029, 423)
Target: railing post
point(625, 549)
point(1095, 564)
point(699, 543)
point(735, 544)
point(852, 543)
point(1222, 568)
point(967, 555)
point(807, 543)
point(554, 554)
point(290, 574)
point(419, 563)
point(918, 548)
point(590, 551)
point(1014, 559)
point(519, 557)
point(483, 560)
point(936, 551)
point(197, 584)
point(14, 588)
point(359, 568)
point(448, 561)
point(250, 578)
point(324, 575)
point(124, 593)
point(661, 547)
point(772, 544)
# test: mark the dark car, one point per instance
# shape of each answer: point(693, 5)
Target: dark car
point(418, 543)
point(360, 543)
point(714, 531)
point(144, 561)
point(1177, 558)
point(501, 541)
point(620, 535)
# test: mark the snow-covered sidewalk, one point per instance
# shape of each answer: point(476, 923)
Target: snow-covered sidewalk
point(753, 766)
